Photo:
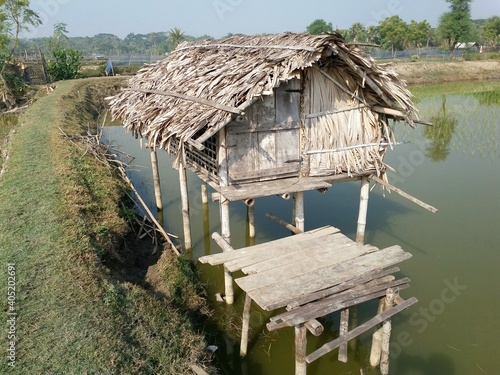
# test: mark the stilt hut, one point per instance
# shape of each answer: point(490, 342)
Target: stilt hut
point(250, 109)
point(279, 114)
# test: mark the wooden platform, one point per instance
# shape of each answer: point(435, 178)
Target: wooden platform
point(288, 270)
point(314, 274)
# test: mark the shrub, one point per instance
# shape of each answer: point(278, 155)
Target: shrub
point(66, 64)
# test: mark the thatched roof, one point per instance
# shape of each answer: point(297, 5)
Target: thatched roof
point(199, 87)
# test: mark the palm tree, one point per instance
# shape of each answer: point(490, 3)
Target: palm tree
point(175, 36)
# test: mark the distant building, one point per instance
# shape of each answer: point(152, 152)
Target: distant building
point(466, 46)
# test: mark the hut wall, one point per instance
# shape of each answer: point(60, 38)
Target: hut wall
point(335, 120)
point(264, 144)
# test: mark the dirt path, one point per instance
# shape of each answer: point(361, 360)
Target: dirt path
point(440, 72)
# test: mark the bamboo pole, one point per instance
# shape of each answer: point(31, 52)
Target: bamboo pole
point(185, 207)
point(298, 209)
point(204, 192)
point(245, 326)
point(206, 228)
point(344, 328)
point(226, 235)
point(300, 349)
point(251, 221)
point(404, 194)
point(380, 339)
point(282, 222)
point(363, 210)
point(148, 211)
point(156, 179)
point(386, 334)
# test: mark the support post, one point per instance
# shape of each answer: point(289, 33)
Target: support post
point(363, 210)
point(185, 207)
point(386, 334)
point(381, 338)
point(344, 327)
point(251, 221)
point(226, 235)
point(156, 179)
point(204, 192)
point(245, 326)
point(300, 349)
point(298, 210)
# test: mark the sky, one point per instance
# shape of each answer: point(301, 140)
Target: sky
point(220, 17)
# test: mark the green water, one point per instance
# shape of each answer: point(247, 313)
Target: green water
point(455, 166)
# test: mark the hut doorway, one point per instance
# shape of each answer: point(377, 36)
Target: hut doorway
point(264, 144)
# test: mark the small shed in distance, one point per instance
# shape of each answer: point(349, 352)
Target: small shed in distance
point(252, 109)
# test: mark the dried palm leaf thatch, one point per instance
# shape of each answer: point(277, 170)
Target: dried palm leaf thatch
point(198, 88)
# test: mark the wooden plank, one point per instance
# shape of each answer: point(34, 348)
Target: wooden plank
point(237, 174)
point(359, 330)
point(295, 249)
point(333, 251)
point(328, 306)
point(341, 287)
point(291, 247)
point(302, 262)
point(274, 325)
point(361, 290)
point(265, 247)
point(267, 188)
point(273, 296)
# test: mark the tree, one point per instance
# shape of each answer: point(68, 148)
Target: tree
point(419, 34)
point(175, 36)
point(394, 34)
point(15, 16)
point(356, 33)
point(491, 31)
point(455, 26)
point(319, 26)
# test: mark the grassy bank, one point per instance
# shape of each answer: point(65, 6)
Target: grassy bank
point(419, 73)
point(62, 227)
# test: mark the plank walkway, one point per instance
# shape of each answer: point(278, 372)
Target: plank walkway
point(285, 270)
point(313, 274)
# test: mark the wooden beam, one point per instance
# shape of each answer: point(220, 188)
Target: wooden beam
point(245, 326)
point(282, 222)
point(404, 194)
point(379, 318)
point(300, 350)
point(344, 328)
point(190, 98)
point(363, 210)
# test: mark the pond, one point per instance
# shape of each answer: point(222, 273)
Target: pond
point(454, 166)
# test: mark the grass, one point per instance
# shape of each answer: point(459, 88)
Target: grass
point(61, 224)
point(452, 88)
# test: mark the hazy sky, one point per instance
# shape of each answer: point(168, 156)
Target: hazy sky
point(219, 17)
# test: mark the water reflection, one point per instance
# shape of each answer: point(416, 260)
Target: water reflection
point(440, 134)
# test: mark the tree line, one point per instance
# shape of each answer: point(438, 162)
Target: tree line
point(393, 33)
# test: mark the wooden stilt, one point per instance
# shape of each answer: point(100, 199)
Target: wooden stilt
point(344, 327)
point(380, 340)
point(204, 192)
point(363, 209)
point(185, 207)
point(245, 326)
point(251, 221)
point(386, 334)
point(300, 349)
point(298, 209)
point(206, 228)
point(156, 179)
point(226, 235)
